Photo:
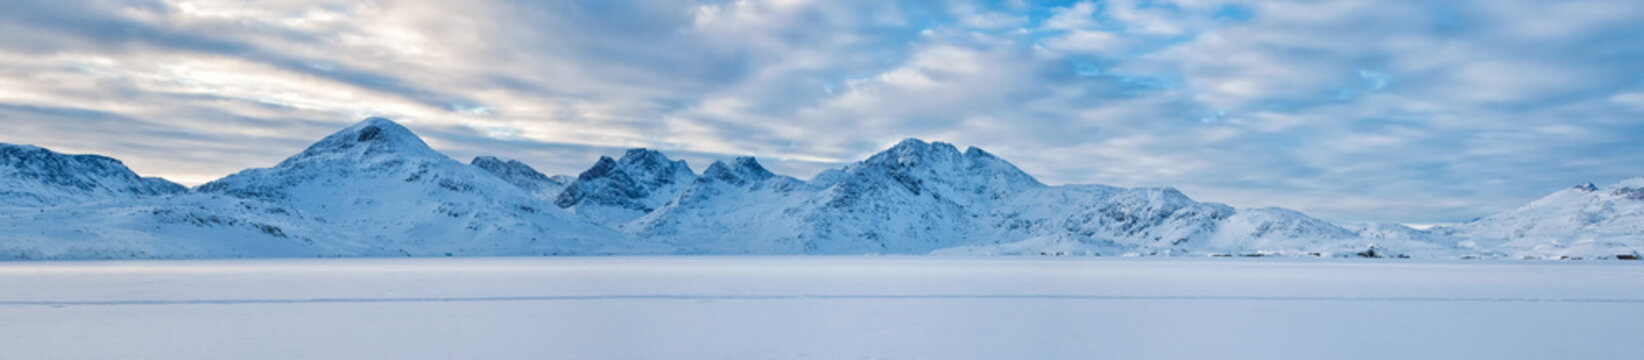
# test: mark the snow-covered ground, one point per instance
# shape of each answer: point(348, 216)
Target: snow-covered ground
point(821, 307)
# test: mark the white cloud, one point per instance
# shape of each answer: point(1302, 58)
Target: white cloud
point(1079, 16)
point(1099, 43)
point(1405, 111)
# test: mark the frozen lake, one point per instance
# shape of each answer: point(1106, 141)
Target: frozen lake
point(820, 307)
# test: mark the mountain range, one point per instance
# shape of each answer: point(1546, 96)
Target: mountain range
point(376, 189)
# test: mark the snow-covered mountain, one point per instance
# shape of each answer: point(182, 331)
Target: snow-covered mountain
point(385, 192)
point(913, 198)
point(372, 189)
point(92, 207)
point(1584, 221)
point(919, 197)
point(375, 189)
point(56, 206)
point(616, 191)
point(35, 177)
point(523, 176)
point(728, 210)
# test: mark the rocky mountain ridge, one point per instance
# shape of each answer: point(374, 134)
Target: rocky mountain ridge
point(375, 189)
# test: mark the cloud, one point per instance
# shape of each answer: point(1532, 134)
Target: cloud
point(1426, 111)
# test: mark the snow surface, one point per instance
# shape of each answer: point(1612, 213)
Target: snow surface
point(820, 308)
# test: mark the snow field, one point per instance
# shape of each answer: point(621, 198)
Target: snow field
point(819, 307)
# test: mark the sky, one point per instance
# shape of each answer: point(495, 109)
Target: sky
point(1352, 110)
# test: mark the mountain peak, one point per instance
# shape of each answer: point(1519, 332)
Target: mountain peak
point(916, 143)
point(379, 129)
point(371, 136)
point(602, 168)
point(914, 152)
point(649, 159)
point(743, 170)
point(1586, 187)
point(640, 152)
point(495, 164)
point(931, 160)
point(976, 152)
point(911, 145)
point(486, 160)
point(747, 164)
point(617, 190)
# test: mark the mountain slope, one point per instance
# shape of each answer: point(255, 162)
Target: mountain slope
point(522, 176)
point(36, 177)
point(1582, 221)
point(730, 209)
point(185, 226)
point(92, 207)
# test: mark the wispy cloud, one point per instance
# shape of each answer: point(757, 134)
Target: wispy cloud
point(1426, 111)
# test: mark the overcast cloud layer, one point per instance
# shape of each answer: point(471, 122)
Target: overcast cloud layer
point(1360, 110)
